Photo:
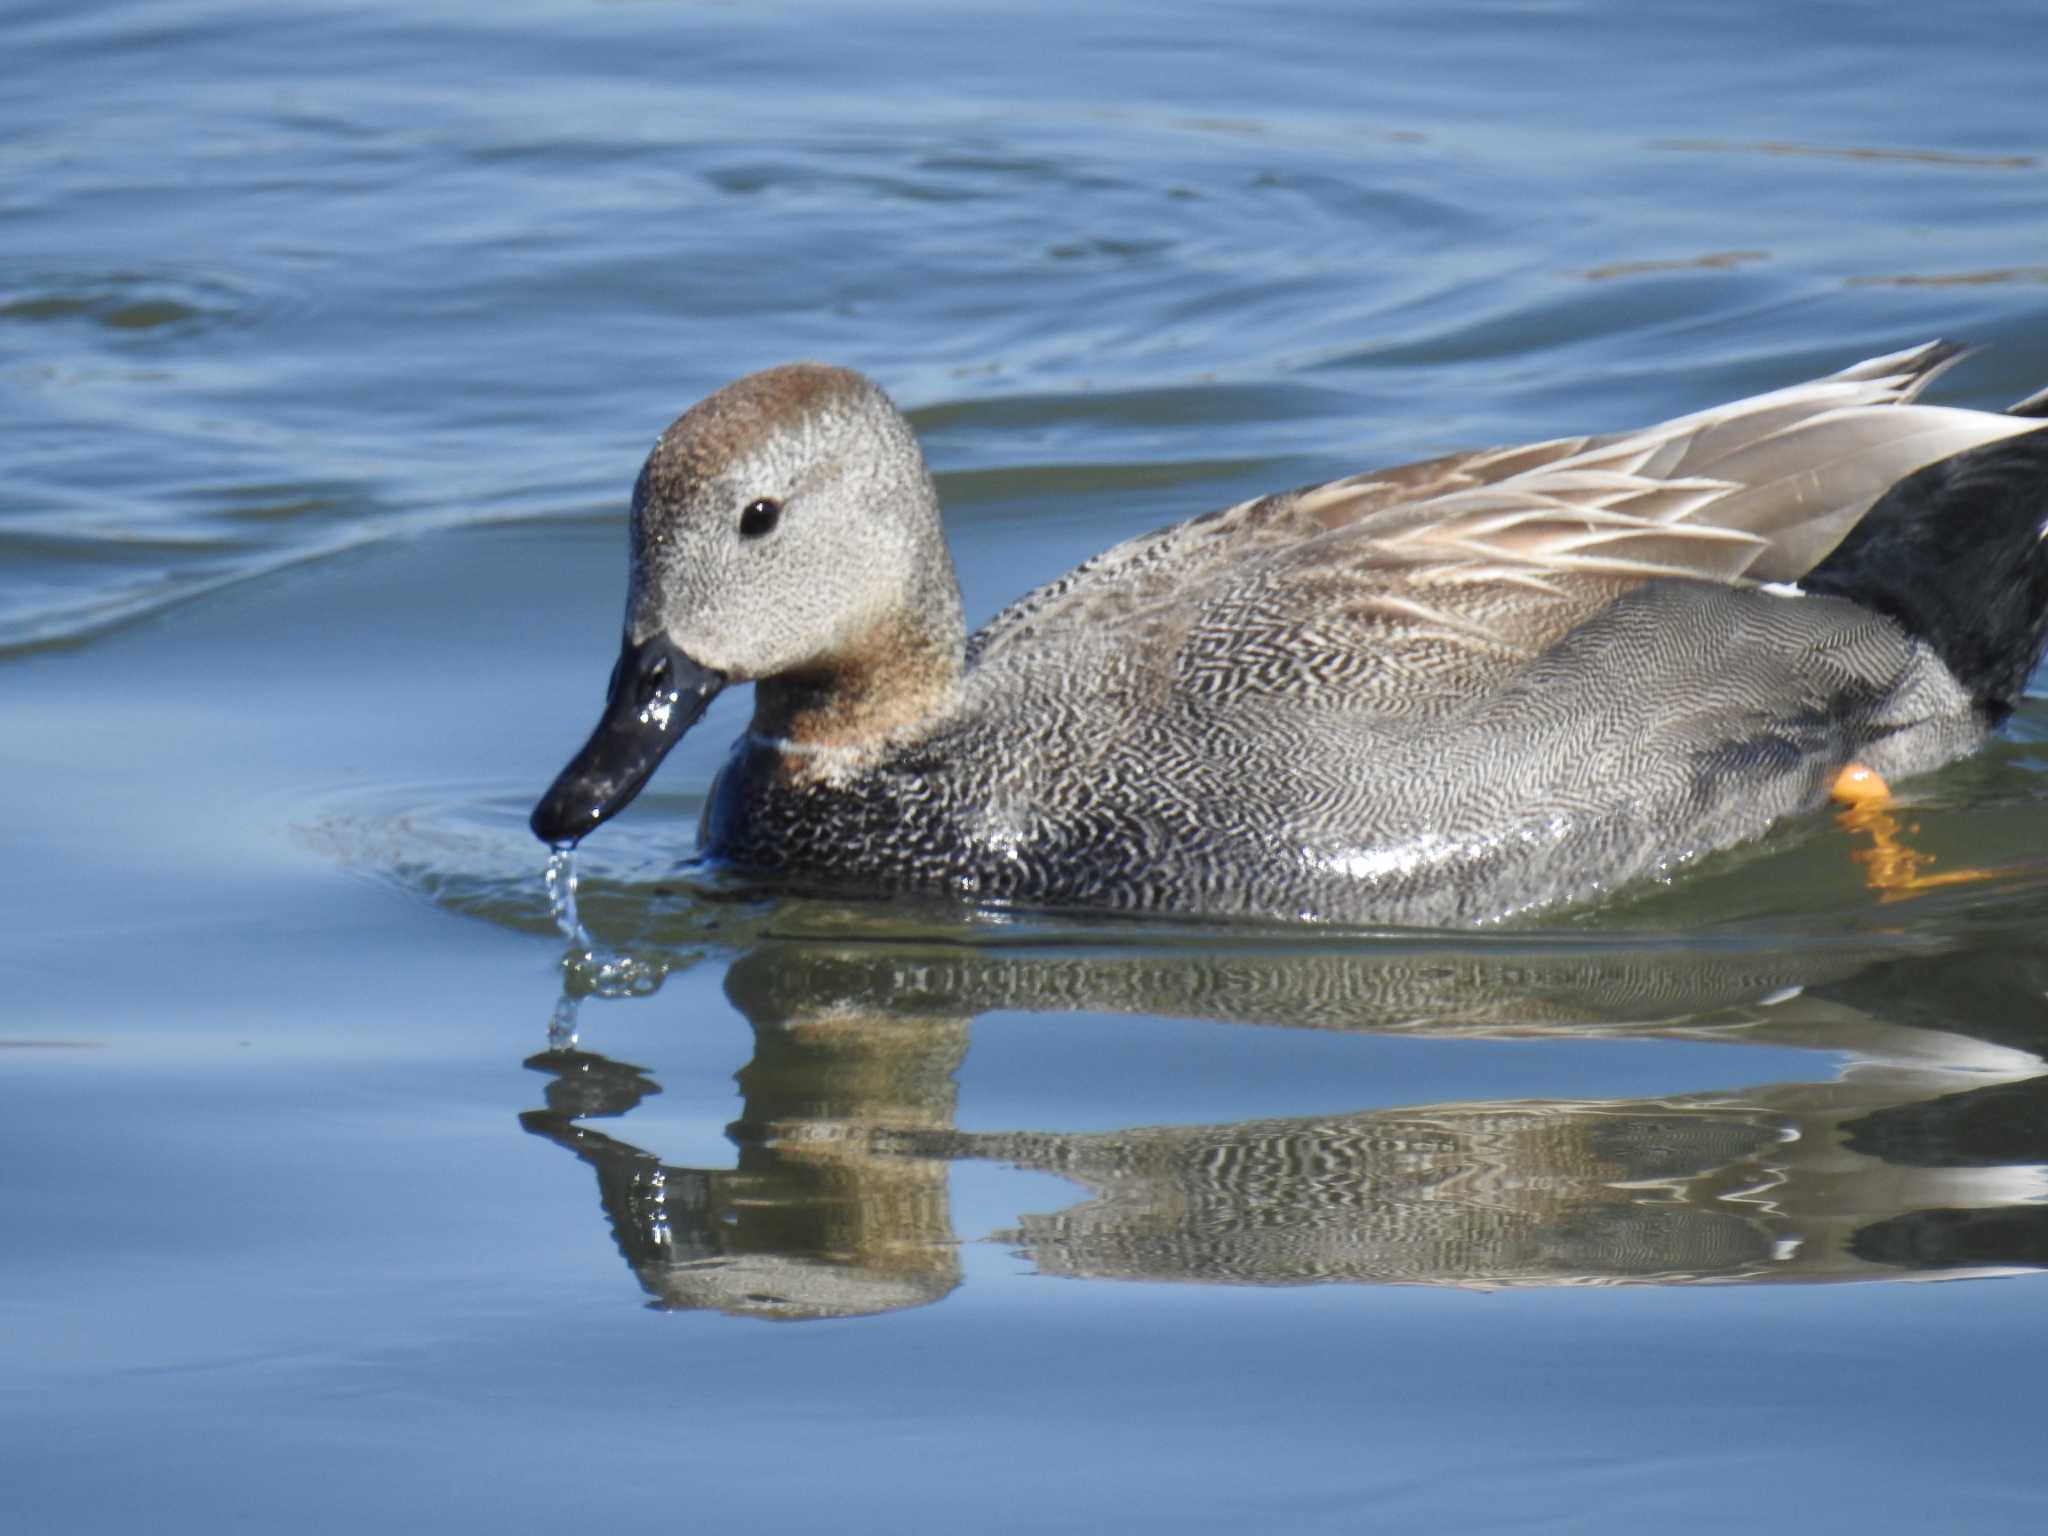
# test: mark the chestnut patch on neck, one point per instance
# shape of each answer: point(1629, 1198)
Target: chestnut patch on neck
point(896, 677)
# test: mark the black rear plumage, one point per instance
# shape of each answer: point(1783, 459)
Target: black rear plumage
point(1954, 552)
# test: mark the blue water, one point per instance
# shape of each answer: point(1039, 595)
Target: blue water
point(330, 341)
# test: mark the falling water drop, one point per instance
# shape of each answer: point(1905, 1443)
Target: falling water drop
point(562, 1025)
point(587, 969)
point(561, 881)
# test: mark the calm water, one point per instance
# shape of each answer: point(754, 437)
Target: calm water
point(342, 1193)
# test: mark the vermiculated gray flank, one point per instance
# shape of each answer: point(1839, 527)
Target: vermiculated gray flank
point(1440, 694)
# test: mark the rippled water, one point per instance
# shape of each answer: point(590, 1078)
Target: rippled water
point(345, 1190)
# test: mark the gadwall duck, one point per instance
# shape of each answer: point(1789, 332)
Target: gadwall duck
point(1447, 693)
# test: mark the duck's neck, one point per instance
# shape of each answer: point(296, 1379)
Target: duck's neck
point(898, 677)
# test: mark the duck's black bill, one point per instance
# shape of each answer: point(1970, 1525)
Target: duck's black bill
point(657, 693)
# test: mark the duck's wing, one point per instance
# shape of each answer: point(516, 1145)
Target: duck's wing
point(1513, 545)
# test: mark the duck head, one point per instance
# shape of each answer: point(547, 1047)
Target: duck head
point(785, 532)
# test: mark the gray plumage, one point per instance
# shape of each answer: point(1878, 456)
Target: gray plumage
point(1442, 694)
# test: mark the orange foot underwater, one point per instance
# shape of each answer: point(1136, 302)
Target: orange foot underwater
point(1889, 866)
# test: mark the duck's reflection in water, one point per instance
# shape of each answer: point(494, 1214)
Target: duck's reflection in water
point(1920, 1160)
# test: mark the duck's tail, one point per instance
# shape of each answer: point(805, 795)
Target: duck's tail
point(1958, 554)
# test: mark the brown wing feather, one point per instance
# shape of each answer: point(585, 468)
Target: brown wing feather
point(1499, 548)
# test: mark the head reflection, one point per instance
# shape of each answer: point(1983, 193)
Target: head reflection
point(1921, 1161)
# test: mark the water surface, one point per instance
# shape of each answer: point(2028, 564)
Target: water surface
point(345, 1192)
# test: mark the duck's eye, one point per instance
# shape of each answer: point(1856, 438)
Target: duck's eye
point(760, 517)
